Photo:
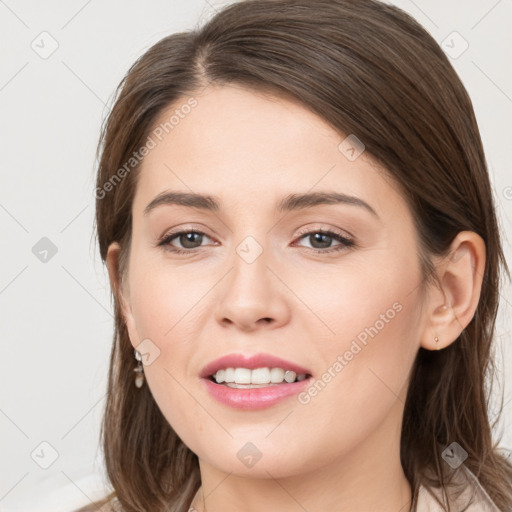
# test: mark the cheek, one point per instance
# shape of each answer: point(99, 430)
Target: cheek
point(163, 300)
point(163, 305)
point(361, 385)
point(366, 362)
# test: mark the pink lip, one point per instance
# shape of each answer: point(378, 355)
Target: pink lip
point(251, 362)
point(255, 398)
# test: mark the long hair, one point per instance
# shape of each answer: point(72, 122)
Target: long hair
point(368, 69)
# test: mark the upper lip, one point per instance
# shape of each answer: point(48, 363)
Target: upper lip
point(251, 362)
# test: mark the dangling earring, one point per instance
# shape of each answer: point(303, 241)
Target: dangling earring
point(436, 339)
point(139, 370)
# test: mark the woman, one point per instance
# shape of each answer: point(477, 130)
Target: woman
point(295, 211)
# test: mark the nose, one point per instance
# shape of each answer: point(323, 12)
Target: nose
point(252, 295)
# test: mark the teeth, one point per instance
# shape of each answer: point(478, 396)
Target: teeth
point(258, 376)
point(290, 376)
point(276, 375)
point(242, 376)
point(220, 376)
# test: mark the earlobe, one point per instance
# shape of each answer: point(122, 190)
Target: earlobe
point(120, 289)
point(452, 306)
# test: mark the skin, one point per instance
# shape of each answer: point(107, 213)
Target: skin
point(340, 451)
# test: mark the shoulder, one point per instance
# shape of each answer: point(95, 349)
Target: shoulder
point(465, 493)
point(107, 504)
point(112, 506)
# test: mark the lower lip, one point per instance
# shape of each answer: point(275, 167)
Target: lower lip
point(254, 398)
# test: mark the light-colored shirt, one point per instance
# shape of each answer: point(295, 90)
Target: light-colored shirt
point(465, 494)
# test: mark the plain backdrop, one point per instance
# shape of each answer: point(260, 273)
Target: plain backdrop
point(60, 65)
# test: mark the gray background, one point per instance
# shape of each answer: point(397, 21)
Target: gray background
point(56, 311)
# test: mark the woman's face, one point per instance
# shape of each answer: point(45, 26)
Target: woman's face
point(263, 280)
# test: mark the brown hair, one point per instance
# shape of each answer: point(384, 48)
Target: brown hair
point(370, 70)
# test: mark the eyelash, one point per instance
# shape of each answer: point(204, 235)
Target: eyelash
point(345, 243)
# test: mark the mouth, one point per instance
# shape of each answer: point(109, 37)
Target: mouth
point(255, 381)
point(246, 378)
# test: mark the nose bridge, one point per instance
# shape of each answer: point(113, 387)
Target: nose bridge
point(250, 259)
point(251, 292)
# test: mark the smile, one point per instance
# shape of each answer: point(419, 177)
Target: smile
point(255, 381)
point(245, 378)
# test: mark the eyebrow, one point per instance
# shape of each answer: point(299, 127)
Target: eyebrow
point(289, 203)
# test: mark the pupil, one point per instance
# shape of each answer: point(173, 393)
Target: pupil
point(319, 236)
point(189, 238)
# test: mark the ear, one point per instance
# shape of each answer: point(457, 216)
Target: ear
point(452, 306)
point(121, 291)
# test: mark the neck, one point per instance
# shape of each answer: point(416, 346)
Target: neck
point(369, 477)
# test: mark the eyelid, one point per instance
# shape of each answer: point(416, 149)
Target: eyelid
point(324, 228)
point(346, 243)
point(345, 239)
point(184, 228)
point(180, 230)
point(302, 231)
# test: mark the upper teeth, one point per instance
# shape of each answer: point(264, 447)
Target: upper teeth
point(256, 376)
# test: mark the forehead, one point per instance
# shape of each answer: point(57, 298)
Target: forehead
point(252, 148)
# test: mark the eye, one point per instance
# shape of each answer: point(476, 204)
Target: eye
point(322, 239)
point(188, 239)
